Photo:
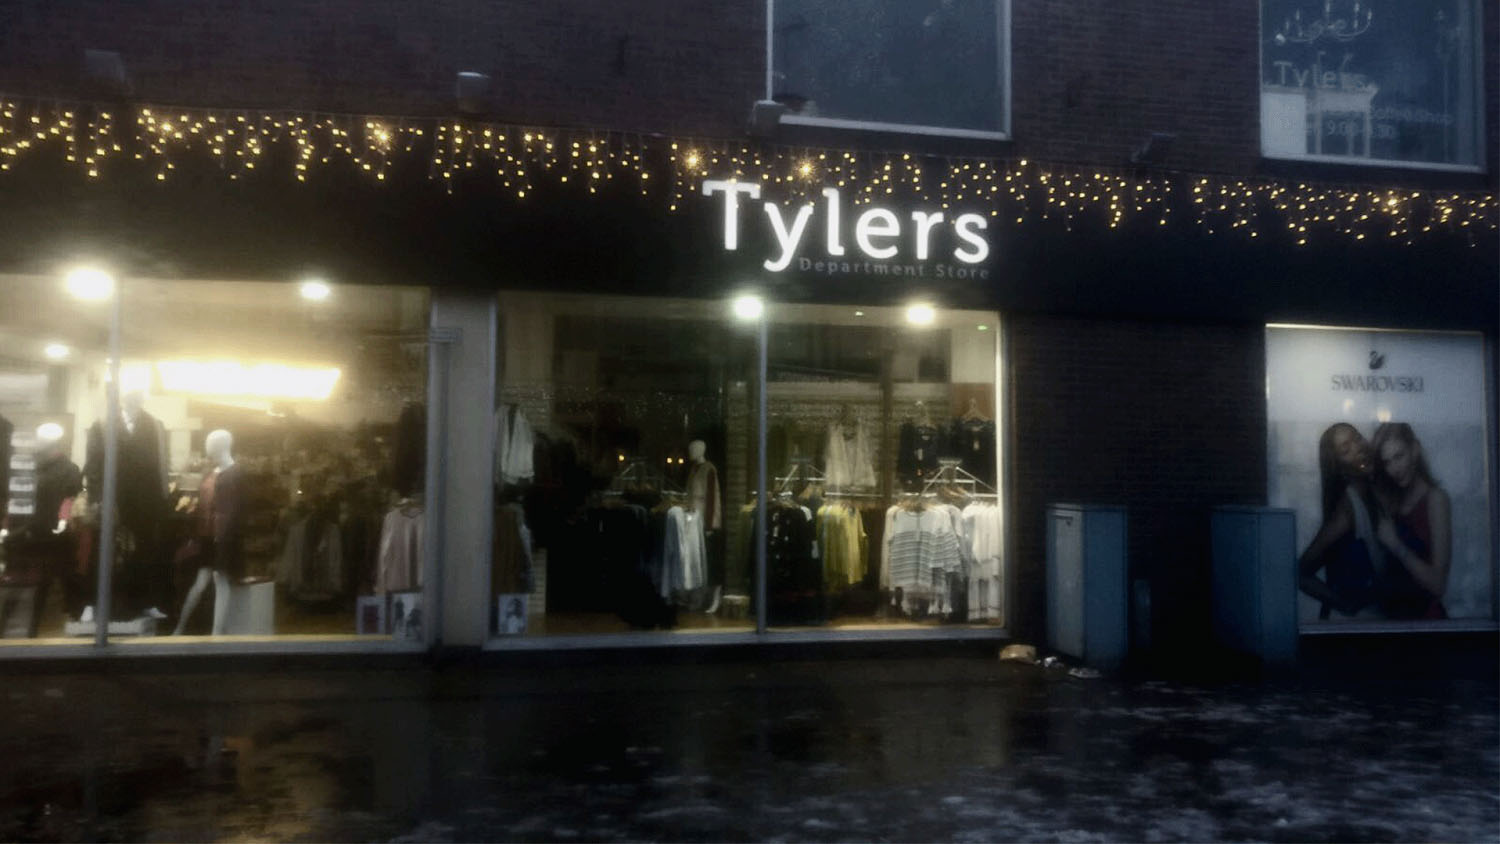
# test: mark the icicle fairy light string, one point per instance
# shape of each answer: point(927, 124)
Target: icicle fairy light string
point(521, 160)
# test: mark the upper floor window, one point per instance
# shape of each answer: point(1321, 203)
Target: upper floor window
point(1389, 82)
point(923, 66)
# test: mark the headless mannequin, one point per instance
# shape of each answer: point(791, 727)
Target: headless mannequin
point(703, 497)
point(217, 446)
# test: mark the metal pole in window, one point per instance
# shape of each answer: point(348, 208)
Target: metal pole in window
point(760, 480)
point(111, 466)
point(440, 340)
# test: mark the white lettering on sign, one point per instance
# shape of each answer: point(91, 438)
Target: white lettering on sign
point(878, 232)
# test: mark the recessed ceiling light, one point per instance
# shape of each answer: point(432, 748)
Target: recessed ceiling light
point(56, 351)
point(314, 290)
point(921, 314)
point(859, 313)
point(982, 328)
point(89, 284)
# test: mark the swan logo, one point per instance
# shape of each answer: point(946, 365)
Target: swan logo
point(1377, 360)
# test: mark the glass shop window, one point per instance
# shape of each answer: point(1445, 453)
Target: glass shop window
point(52, 348)
point(1382, 82)
point(270, 459)
point(625, 467)
point(884, 506)
point(930, 67)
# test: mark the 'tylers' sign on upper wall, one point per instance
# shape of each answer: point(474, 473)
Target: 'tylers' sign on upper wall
point(883, 244)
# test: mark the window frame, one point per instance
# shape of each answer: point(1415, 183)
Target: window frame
point(1481, 117)
point(1003, 69)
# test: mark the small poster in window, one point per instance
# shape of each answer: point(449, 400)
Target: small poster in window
point(369, 615)
point(511, 609)
point(406, 616)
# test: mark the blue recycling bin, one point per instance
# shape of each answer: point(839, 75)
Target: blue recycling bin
point(1255, 582)
point(1087, 592)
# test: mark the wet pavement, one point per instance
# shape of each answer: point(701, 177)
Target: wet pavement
point(910, 749)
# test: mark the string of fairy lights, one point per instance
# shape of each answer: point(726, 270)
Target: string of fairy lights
point(520, 159)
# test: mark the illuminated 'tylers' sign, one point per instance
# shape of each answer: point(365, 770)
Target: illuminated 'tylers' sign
point(878, 233)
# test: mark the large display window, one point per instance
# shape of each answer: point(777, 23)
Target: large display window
point(268, 458)
point(626, 472)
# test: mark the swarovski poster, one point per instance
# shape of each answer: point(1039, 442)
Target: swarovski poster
point(1389, 81)
point(1377, 440)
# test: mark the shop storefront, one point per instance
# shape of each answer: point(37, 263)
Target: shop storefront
point(531, 411)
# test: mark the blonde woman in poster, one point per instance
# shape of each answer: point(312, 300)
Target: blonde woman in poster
point(1416, 526)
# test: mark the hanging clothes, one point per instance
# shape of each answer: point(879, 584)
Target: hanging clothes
point(514, 444)
point(849, 459)
point(683, 555)
point(982, 527)
point(843, 545)
point(399, 563)
point(972, 441)
point(510, 558)
point(794, 578)
point(917, 454)
point(312, 561)
point(924, 549)
point(409, 452)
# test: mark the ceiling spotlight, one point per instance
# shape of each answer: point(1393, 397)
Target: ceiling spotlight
point(89, 284)
point(315, 291)
point(921, 314)
point(56, 351)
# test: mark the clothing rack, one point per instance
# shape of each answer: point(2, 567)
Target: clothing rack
point(638, 474)
point(800, 469)
point(951, 473)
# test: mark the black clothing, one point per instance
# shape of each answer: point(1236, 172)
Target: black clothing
point(917, 453)
point(140, 496)
point(6, 429)
point(794, 579)
point(973, 442)
point(409, 452)
point(57, 479)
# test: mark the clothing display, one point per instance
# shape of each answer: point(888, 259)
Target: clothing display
point(982, 533)
point(703, 494)
point(848, 458)
point(399, 562)
point(684, 553)
point(924, 548)
point(409, 451)
point(843, 545)
point(794, 579)
point(56, 479)
point(972, 442)
point(140, 470)
point(510, 560)
point(917, 453)
point(312, 561)
point(221, 520)
point(514, 444)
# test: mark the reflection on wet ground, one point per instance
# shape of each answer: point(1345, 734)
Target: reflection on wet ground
point(911, 749)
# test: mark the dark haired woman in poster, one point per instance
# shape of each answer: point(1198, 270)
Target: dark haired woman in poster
point(1345, 546)
point(1415, 528)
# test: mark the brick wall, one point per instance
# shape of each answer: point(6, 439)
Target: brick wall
point(1167, 419)
point(1090, 78)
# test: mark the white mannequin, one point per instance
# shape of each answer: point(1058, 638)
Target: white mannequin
point(131, 405)
point(703, 488)
point(696, 450)
point(217, 446)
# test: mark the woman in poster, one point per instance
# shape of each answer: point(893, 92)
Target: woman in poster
point(1345, 546)
point(1415, 528)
